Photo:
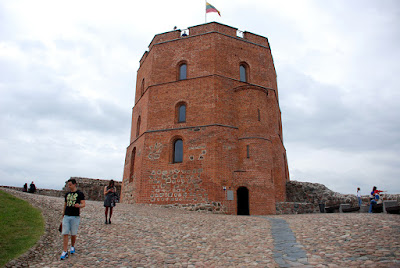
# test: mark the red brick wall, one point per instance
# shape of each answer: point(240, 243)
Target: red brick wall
point(224, 117)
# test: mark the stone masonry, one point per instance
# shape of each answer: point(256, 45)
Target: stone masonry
point(92, 188)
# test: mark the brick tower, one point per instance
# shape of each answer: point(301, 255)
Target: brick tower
point(206, 125)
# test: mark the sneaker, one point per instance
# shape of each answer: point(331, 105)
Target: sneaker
point(64, 255)
point(106, 222)
point(72, 250)
point(109, 221)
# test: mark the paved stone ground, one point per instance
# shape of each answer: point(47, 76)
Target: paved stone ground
point(151, 236)
point(287, 251)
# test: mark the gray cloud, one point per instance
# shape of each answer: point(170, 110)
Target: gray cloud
point(67, 87)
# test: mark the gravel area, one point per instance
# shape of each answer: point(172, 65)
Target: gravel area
point(152, 236)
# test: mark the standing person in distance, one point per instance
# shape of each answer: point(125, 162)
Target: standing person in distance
point(109, 200)
point(74, 201)
point(359, 197)
point(32, 188)
point(372, 201)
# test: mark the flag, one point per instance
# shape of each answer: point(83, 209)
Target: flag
point(211, 8)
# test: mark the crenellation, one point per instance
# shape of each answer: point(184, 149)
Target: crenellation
point(213, 27)
point(257, 39)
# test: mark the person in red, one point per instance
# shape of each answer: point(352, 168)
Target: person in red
point(379, 191)
point(74, 201)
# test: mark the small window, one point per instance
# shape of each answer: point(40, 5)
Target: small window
point(142, 88)
point(182, 113)
point(182, 71)
point(243, 74)
point(178, 151)
point(248, 151)
point(138, 127)
point(285, 167)
point(259, 115)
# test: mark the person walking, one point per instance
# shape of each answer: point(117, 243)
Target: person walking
point(110, 193)
point(359, 197)
point(74, 201)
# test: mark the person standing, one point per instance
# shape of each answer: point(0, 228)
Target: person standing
point(74, 201)
point(32, 188)
point(109, 201)
point(359, 197)
point(372, 201)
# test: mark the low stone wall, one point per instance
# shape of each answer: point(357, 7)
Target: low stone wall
point(316, 193)
point(390, 197)
point(48, 192)
point(295, 208)
point(92, 188)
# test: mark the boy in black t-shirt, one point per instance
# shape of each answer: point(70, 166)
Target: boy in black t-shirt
point(74, 201)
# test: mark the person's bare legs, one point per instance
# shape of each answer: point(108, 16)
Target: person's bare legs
point(109, 219)
point(65, 242)
point(73, 239)
point(106, 213)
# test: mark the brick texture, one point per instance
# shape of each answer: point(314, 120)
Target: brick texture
point(232, 136)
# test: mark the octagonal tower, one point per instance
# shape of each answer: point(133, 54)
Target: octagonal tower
point(206, 124)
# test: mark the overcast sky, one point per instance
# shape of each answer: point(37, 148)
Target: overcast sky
point(68, 75)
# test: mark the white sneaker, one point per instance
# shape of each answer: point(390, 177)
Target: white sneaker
point(72, 250)
point(64, 255)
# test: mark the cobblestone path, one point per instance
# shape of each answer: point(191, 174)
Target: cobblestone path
point(151, 236)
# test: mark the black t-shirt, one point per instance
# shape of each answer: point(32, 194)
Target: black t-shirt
point(72, 198)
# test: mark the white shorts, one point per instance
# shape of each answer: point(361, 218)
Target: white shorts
point(70, 225)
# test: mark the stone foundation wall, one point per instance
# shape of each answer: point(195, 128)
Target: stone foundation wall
point(214, 207)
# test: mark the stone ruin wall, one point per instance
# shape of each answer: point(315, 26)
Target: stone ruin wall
point(305, 197)
point(92, 188)
point(316, 193)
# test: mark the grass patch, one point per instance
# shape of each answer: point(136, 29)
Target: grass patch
point(21, 226)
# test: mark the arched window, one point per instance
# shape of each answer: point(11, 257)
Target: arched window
point(182, 71)
point(243, 73)
point(133, 155)
point(138, 127)
point(182, 113)
point(178, 151)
